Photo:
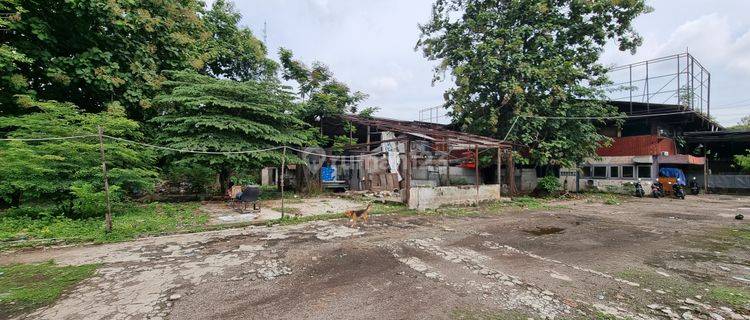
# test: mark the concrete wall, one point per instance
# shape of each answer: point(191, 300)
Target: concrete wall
point(528, 179)
point(624, 186)
point(423, 198)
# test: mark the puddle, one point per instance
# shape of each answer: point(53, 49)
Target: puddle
point(544, 231)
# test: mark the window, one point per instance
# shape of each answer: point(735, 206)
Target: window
point(586, 172)
point(627, 172)
point(644, 172)
point(600, 172)
point(614, 172)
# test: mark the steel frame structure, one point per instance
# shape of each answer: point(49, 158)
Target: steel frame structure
point(677, 80)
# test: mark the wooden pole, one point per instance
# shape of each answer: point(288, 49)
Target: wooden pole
point(447, 163)
point(407, 176)
point(476, 171)
point(448, 170)
point(705, 171)
point(368, 138)
point(511, 175)
point(108, 215)
point(499, 170)
point(283, 170)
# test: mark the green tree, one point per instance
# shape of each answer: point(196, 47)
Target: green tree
point(530, 58)
point(69, 171)
point(219, 115)
point(743, 125)
point(234, 52)
point(743, 161)
point(322, 95)
point(93, 52)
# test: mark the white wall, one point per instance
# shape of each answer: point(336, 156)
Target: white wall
point(422, 198)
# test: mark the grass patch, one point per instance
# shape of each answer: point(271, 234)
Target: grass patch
point(679, 287)
point(673, 284)
point(25, 287)
point(292, 220)
point(462, 314)
point(612, 201)
point(129, 221)
point(735, 297)
point(727, 239)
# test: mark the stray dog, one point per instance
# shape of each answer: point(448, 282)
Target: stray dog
point(356, 214)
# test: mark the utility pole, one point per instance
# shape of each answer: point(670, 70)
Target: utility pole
point(265, 33)
point(407, 175)
point(283, 169)
point(108, 216)
point(500, 171)
point(476, 170)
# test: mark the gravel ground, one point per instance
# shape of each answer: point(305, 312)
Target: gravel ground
point(222, 213)
point(573, 259)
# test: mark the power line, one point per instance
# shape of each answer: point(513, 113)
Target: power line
point(49, 138)
point(192, 151)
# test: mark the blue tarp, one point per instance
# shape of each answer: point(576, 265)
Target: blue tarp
point(674, 173)
point(328, 173)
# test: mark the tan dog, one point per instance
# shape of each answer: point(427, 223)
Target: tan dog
point(354, 215)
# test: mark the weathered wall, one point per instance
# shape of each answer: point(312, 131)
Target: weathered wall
point(423, 198)
point(624, 186)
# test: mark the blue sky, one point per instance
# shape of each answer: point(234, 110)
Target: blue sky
point(370, 46)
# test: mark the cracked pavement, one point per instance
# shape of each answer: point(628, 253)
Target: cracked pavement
point(419, 267)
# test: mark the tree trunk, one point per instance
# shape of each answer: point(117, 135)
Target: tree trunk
point(224, 176)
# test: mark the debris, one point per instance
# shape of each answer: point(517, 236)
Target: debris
point(739, 216)
point(687, 315)
point(691, 301)
point(663, 273)
point(559, 276)
point(715, 316)
point(174, 297)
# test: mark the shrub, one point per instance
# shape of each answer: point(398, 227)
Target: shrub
point(196, 178)
point(68, 173)
point(549, 185)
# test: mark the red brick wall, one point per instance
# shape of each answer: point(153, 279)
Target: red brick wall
point(638, 146)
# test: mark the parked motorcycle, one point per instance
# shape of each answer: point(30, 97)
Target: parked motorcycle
point(657, 189)
point(639, 192)
point(694, 188)
point(678, 191)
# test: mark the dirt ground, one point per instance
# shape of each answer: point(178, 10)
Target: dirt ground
point(222, 212)
point(642, 259)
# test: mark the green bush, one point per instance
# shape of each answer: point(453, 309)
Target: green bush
point(549, 185)
point(68, 173)
point(91, 203)
point(197, 178)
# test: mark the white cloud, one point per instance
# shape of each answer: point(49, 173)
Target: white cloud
point(384, 84)
point(366, 42)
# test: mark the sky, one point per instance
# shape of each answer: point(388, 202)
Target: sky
point(369, 45)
